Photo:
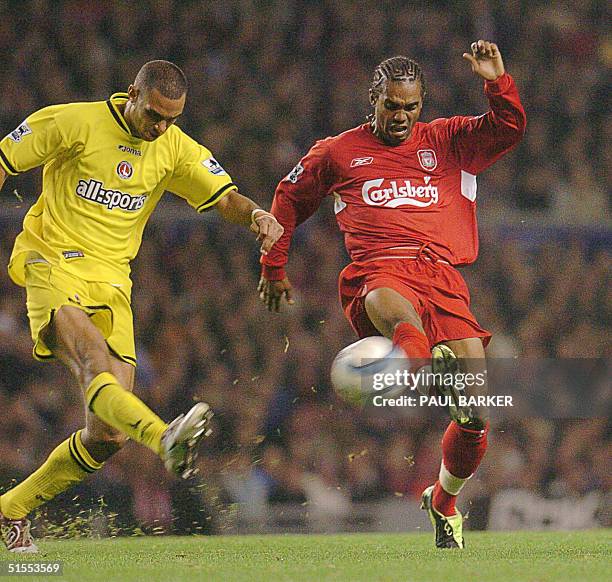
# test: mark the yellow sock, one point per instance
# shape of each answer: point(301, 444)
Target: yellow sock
point(68, 464)
point(122, 410)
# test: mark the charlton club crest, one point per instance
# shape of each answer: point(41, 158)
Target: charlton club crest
point(125, 170)
point(427, 159)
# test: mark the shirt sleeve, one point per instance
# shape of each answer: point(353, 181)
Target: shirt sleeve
point(35, 142)
point(474, 143)
point(198, 177)
point(297, 197)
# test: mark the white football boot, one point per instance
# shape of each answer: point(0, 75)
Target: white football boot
point(180, 441)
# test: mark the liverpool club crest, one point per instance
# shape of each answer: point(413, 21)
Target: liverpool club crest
point(427, 159)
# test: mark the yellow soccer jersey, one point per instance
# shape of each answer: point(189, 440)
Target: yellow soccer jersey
point(100, 185)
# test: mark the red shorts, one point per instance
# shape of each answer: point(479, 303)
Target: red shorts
point(436, 290)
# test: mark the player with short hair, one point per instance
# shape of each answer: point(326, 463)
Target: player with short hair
point(106, 166)
point(405, 199)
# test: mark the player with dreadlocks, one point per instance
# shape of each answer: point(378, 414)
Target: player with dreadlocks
point(405, 199)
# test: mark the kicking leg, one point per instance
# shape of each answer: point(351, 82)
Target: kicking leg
point(80, 345)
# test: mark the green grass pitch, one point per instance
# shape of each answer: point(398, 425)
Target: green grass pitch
point(497, 557)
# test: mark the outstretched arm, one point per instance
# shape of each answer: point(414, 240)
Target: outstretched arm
point(236, 208)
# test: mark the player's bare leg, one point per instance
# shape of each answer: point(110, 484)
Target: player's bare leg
point(396, 318)
point(463, 445)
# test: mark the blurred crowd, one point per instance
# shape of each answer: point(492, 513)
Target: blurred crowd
point(262, 89)
point(269, 77)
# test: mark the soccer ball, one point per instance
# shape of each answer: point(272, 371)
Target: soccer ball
point(362, 370)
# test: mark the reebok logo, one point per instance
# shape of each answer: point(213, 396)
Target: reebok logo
point(94, 191)
point(361, 161)
point(399, 193)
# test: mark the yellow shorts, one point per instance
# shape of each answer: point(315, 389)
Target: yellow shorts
point(48, 287)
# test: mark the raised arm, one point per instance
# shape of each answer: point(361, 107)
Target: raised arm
point(476, 142)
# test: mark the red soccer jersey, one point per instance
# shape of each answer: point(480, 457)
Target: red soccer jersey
point(389, 197)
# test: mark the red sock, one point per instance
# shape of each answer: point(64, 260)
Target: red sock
point(462, 451)
point(412, 341)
